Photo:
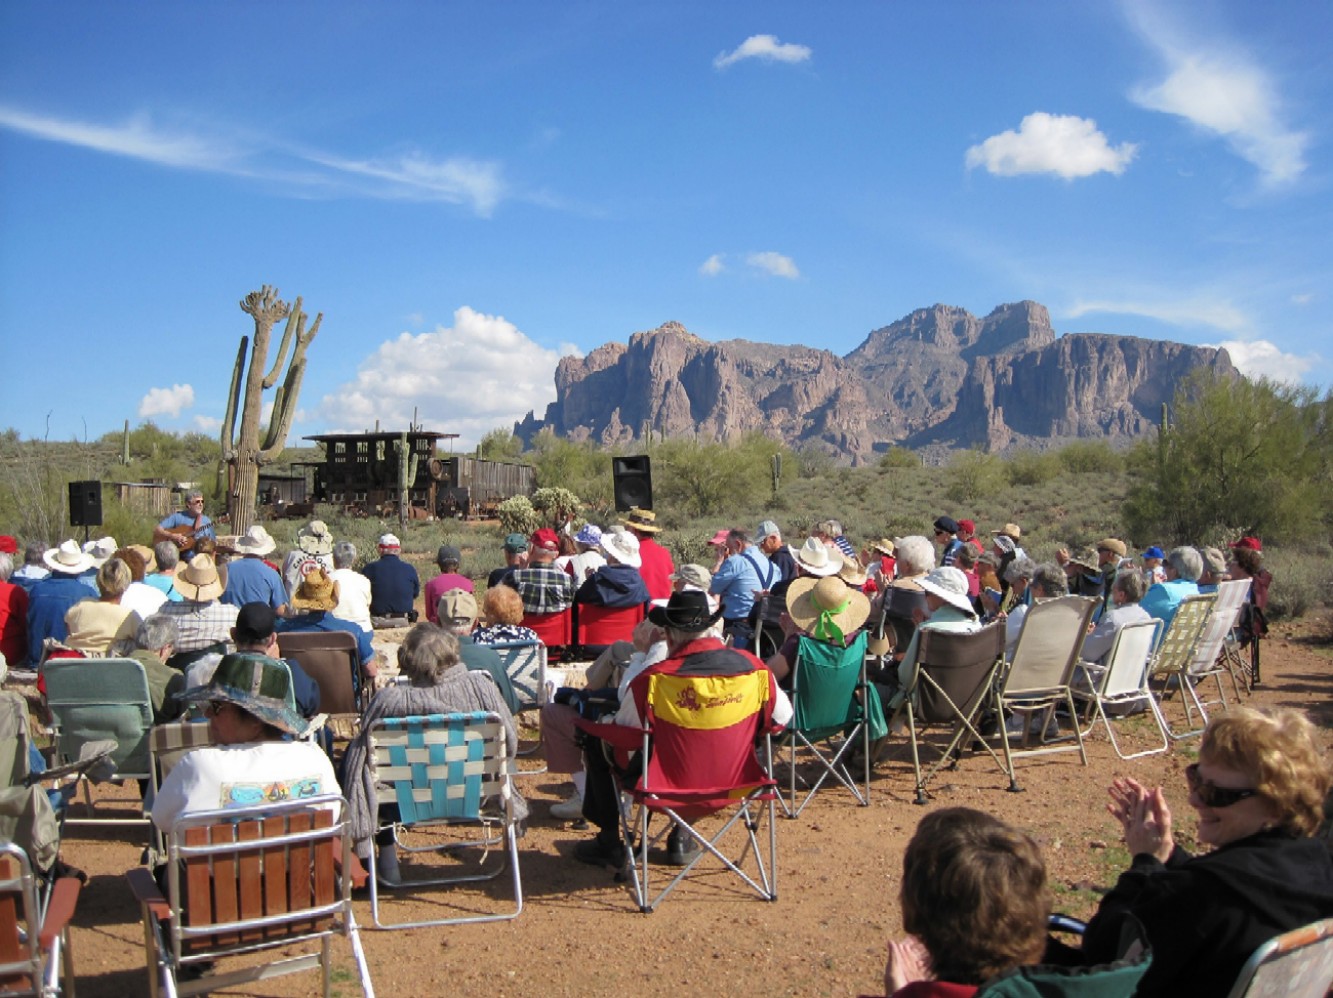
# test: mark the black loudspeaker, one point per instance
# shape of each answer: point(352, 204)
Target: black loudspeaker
point(633, 482)
point(85, 504)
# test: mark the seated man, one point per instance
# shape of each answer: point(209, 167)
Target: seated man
point(256, 632)
point(448, 558)
point(156, 642)
point(1183, 567)
point(456, 613)
point(315, 598)
point(543, 587)
point(187, 527)
point(394, 586)
point(249, 578)
point(617, 583)
point(975, 902)
point(314, 549)
point(252, 762)
point(52, 597)
point(516, 556)
point(203, 622)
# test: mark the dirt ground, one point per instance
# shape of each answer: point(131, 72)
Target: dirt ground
point(839, 868)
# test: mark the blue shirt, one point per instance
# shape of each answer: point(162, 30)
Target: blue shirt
point(164, 583)
point(394, 586)
point(319, 620)
point(181, 519)
point(249, 580)
point(737, 580)
point(48, 602)
point(1163, 599)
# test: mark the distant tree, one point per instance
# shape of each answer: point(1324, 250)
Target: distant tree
point(1239, 457)
point(973, 474)
point(1088, 456)
point(900, 457)
point(1030, 467)
point(500, 444)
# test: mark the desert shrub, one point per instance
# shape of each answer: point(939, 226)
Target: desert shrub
point(557, 505)
point(900, 457)
point(1031, 468)
point(517, 515)
point(698, 478)
point(500, 444)
point(973, 474)
point(1087, 456)
point(1302, 580)
point(812, 462)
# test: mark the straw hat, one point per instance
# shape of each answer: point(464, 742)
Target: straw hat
point(1011, 530)
point(641, 519)
point(101, 550)
point(256, 541)
point(950, 585)
point(316, 592)
point(853, 573)
point(826, 608)
point(814, 558)
point(146, 553)
point(68, 558)
point(883, 546)
point(693, 575)
point(258, 685)
point(198, 581)
point(623, 546)
point(315, 538)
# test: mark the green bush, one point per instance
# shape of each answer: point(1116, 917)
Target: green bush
point(900, 457)
point(973, 474)
point(1032, 467)
point(517, 516)
point(1090, 456)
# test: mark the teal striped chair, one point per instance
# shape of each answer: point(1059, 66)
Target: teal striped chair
point(448, 776)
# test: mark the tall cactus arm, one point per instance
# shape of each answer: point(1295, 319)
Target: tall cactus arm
point(227, 438)
point(295, 319)
point(284, 409)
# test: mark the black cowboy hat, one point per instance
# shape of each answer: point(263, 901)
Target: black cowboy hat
point(685, 611)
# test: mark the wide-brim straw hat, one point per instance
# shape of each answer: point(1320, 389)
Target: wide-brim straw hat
point(316, 592)
point(1011, 530)
point(199, 581)
point(853, 573)
point(258, 685)
point(68, 558)
point(255, 541)
point(883, 546)
point(950, 585)
point(315, 538)
point(641, 519)
point(815, 558)
point(623, 547)
point(826, 607)
point(146, 553)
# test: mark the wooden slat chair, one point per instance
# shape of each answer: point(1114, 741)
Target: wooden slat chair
point(525, 664)
point(167, 744)
point(445, 770)
point(247, 880)
point(1175, 654)
point(35, 954)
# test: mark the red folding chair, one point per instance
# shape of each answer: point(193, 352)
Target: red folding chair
point(556, 630)
point(598, 626)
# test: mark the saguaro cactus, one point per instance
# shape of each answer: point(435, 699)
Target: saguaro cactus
point(407, 475)
point(242, 452)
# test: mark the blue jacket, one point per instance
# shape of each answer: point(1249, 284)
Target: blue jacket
point(614, 586)
point(48, 601)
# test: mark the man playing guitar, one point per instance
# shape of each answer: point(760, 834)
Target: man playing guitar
point(187, 526)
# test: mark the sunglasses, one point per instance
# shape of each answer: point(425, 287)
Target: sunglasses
point(1211, 795)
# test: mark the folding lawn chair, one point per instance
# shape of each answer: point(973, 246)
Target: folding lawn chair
point(1296, 964)
point(955, 673)
point(1040, 674)
point(446, 771)
point(248, 880)
point(1123, 682)
point(96, 700)
point(1176, 653)
point(900, 606)
point(555, 630)
point(167, 744)
point(596, 627)
point(35, 954)
point(829, 694)
point(699, 758)
point(1210, 656)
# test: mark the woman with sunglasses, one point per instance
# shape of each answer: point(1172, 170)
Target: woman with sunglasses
point(1258, 790)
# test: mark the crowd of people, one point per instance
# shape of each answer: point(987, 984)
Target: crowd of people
point(204, 614)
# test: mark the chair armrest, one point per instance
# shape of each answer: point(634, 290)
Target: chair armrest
point(148, 893)
point(621, 736)
point(59, 911)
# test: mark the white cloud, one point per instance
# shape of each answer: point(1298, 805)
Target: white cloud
point(468, 378)
point(1263, 358)
point(1063, 144)
point(712, 266)
point(766, 48)
point(775, 264)
point(166, 401)
point(207, 424)
point(1204, 311)
point(1302, 299)
point(415, 176)
point(1221, 90)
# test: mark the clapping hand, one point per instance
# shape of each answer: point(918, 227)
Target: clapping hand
point(1144, 816)
point(908, 962)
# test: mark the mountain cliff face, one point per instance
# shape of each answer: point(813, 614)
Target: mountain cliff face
point(939, 376)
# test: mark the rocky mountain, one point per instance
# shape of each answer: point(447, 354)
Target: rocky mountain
point(939, 377)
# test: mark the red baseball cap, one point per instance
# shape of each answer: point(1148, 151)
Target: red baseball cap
point(720, 537)
point(1248, 544)
point(8, 544)
point(545, 539)
point(967, 526)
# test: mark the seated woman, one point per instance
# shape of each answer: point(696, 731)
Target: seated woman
point(250, 718)
point(94, 625)
point(948, 608)
point(438, 683)
point(827, 609)
point(1126, 591)
point(1258, 789)
point(502, 613)
point(617, 584)
point(974, 899)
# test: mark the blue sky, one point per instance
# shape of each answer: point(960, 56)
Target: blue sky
point(469, 191)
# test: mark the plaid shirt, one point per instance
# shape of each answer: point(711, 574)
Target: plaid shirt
point(543, 588)
point(201, 625)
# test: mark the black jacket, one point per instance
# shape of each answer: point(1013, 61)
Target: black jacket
point(1204, 915)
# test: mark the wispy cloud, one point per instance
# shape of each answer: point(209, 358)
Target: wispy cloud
point(1302, 299)
point(774, 263)
point(1181, 312)
point(765, 48)
point(207, 424)
point(712, 266)
point(1263, 358)
point(476, 184)
point(166, 401)
point(1063, 144)
point(1219, 88)
point(468, 378)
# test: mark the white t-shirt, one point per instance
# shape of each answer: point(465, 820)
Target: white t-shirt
point(223, 776)
point(143, 599)
point(353, 597)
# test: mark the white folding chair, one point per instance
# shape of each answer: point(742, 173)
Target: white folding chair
point(1122, 682)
